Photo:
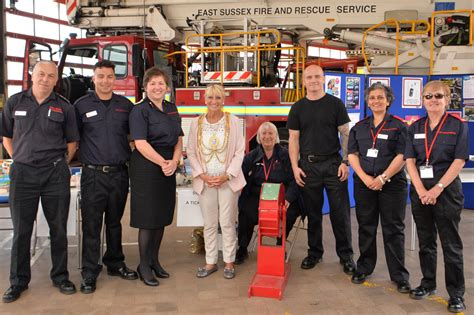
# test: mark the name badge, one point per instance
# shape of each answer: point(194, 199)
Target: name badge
point(382, 136)
point(372, 153)
point(426, 171)
point(420, 136)
point(20, 113)
point(91, 114)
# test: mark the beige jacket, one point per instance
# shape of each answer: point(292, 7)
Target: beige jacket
point(235, 156)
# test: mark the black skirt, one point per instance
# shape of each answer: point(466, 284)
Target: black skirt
point(153, 195)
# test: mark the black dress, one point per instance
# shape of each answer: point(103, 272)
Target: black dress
point(153, 195)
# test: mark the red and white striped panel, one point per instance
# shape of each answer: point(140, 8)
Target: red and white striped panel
point(71, 9)
point(229, 77)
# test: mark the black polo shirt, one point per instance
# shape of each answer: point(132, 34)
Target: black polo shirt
point(40, 132)
point(160, 128)
point(104, 129)
point(452, 143)
point(317, 122)
point(390, 142)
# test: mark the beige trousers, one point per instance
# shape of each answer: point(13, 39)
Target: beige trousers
point(219, 206)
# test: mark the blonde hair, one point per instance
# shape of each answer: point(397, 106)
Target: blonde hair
point(215, 89)
point(264, 126)
point(438, 84)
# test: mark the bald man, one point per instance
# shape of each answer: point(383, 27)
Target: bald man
point(314, 124)
point(40, 134)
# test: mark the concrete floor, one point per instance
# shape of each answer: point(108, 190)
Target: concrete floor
point(322, 290)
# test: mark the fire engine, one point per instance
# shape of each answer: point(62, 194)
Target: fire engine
point(256, 48)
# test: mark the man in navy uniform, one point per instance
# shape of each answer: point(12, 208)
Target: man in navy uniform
point(104, 151)
point(40, 134)
point(314, 123)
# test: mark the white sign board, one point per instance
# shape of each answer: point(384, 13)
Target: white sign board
point(189, 211)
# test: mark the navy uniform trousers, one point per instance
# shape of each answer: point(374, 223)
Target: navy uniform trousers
point(444, 218)
point(28, 184)
point(389, 204)
point(102, 192)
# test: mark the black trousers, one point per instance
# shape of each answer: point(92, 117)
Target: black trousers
point(442, 218)
point(28, 184)
point(319, 176)
point(389, 204)
point(248, 218)
point(102, 192)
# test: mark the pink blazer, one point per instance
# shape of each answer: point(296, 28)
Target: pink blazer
point(235, 156)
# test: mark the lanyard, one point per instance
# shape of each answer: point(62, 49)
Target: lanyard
point(267, 174)
point(374, 137)
point(430, 148)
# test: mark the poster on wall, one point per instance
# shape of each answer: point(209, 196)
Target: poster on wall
point(333, 85)
point(411, 92)
point(455, 85)
point(384, 81)
point(352, 92)
point(468, 86)
point(469, 113)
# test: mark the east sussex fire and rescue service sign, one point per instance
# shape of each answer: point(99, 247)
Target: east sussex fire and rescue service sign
point(288, 10)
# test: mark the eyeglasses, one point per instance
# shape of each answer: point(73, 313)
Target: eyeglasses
point(437, 96)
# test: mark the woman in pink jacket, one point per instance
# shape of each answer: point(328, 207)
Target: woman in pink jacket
point(216, 151)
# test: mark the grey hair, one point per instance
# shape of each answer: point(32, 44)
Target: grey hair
point(266, 125)
point(379, 86)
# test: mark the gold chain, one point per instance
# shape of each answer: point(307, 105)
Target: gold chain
point(215, 149)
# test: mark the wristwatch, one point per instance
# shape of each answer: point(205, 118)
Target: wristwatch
point(440, 185)
point(229, 176)
point(345, 162)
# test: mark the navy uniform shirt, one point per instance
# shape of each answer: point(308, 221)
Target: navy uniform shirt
point(104, 130)
point(39, 133)
point(390, 142)
point(160, 128)
point(452, 143)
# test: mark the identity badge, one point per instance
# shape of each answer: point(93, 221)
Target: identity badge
point(91, 114)
point(372, 152)
point(426, 171)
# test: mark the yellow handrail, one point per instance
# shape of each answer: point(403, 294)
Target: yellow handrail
point(415, 27)
point(234, 34)
point(397, 40)
point(300, 53)
point(448, 12)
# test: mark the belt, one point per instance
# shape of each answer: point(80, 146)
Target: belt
point(311, 158)
point(106, 168)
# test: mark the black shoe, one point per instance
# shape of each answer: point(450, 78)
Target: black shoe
point(403, 286)
point(88, 286)
point(124, 273)
point(421, 292)
point(349, 266)
point(13, 293)
point(456, 304)
point(359, 277)
point(65, 287)
point(159, 271)
point(309, 262)
point(152, 282)
point(241, 256)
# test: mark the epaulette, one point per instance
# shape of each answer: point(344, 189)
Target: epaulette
point(83, 96)
point(399, 118)
point(63, 98)
point(362, 120)
point(457, 117)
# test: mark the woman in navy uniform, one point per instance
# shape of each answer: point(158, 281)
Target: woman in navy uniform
point(376, 147)
point(155, 126)
point(269, 162)
point(437, 148)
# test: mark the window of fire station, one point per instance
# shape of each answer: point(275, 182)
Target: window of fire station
point(118, 55)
